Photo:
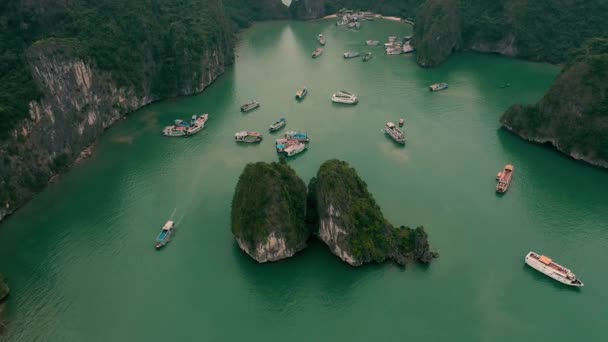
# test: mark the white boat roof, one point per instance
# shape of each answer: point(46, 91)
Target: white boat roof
point(168, 225)
point(241, 134)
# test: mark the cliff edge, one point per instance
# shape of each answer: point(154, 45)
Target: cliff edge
point(268, 212)
point(573, 115)
point(352, 225)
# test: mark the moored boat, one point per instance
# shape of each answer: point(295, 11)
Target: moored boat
point(504, 179)
point(253, 104)
point(344, 97)
point(164, 236)
point(278, 125)
point(394, 50)
point(179, 129)
point(321, 39)
point(438, 86)
point(197, 123)
point(351, 54)
point(401, 122)
point(317, 52)
point(294, 149)
point(367, 57)
point(371, 42)
point(301, 93)
point(394, 132)
point(407, 48)
point(297, 135)
point(548, 267)
point(248, 137)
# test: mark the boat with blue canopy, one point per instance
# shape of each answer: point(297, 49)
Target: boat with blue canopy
point(165, 235)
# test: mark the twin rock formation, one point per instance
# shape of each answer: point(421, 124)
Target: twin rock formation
point(273, 217)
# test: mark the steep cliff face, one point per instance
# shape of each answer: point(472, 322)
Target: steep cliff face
point(573, 115)
point(4, 290)
point(268, 212)
point(352, 225)
point(544, 30)
point(307, 9)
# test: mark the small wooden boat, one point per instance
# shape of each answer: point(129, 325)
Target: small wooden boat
point(367, 57)
point(321, 39)
point(351, 54)
point(317, 52)
point(165, 235)
point(371, 42)
point(250, 106)
point(438, 86)
point(401, 122)
point(301, 93)
point(247, 137)
point(278, 125)
point(505, 179)
point(550, 268)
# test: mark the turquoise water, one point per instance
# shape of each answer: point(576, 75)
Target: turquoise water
point(81, 258)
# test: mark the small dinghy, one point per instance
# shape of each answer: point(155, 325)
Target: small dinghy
point(165, 235)
point(278, 125)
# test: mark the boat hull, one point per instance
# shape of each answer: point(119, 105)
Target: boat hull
point(546, 270)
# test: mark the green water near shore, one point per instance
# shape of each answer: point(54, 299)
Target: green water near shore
point(81, 261)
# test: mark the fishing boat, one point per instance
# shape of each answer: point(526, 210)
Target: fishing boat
point(367, 57)
point(371, 42)
point(401, 122)
point(394, 132)
point(504, 179)
point(548, 267)
point(438, 86)
point(321, 39)
point(278, 125)
point(301, 93)
point(351, 54)
point(197, 123)
point(294, 149)
point(248, 137)
point(164, 236)
point(344, 97)
point(297, 135)
point(317, 52)
point(179, 129)
point(250, 106)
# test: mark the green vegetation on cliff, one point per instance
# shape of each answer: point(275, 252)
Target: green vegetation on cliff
point(352, 224)
point(573, 115)
point(543, 30)
point(270, 199)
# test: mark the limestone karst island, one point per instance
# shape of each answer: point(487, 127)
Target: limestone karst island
point(303, 170)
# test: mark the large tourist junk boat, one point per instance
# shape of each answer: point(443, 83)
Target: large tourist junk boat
point(317, 52)
point(165, 235)
point(344, 97)
point(253, 104)
point(548, 267)
point(197, 123)
point(247, 137)
point(394, 132)
point(178, 129)
point(321, 39)
point(504, 179)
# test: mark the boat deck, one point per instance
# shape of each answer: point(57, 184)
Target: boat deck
point(548, 262)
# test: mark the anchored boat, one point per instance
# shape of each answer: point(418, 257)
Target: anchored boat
point(438, 86)
point(371, 42)
point(165, 235)
point(197, 124)
point(179, 129)
point(294, 149)
point(351, 54)
point(408, 48)
point(317, 52)
point(321, 39)
point(367, 57)
point(301, 93)
point(296, 135)
point(250, 106)
point(248, 137)
point(394, 132)
point(504, 179)
point(344, 97)
point(278, 125)
point(548, 267)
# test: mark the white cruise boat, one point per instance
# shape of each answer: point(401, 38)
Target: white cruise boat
point(344, 97)
point(197, 124)
point(294, 149)
point(394, 132)
point(552, 269)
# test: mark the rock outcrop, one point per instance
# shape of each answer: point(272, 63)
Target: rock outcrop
point(437, 32)
point(307, 9)
point(573, 115)
point(268, 212)
point(352, 225)
point(4, 290)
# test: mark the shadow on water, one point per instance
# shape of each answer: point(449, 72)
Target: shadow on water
point(291, 280)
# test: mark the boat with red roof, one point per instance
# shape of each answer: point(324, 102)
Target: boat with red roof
point(550, 268)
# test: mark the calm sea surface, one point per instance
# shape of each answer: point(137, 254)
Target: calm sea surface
point(80, 256)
